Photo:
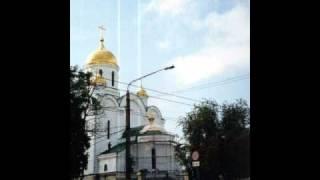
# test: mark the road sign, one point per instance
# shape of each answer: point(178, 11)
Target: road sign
point(195, 163)
point(195, 155)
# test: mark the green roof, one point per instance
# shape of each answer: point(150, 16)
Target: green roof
point(136, 132)
point(116, 148)
point(133, 131)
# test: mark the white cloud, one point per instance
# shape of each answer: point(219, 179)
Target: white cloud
point(208, 62)
point(168, 7)
point(226, 46)
point(228, 28)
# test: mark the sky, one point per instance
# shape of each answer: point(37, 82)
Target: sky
point(208, 41)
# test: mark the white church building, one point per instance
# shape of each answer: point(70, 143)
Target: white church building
point(152, 147)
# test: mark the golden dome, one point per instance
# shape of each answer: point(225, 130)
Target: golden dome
point(101, 56)
point(142, 92)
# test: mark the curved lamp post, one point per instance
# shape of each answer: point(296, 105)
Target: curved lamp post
point(128, 159)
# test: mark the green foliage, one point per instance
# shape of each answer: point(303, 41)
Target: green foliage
point(221, 137)
point(80, 101)
point(235, 116)
point(200, 124)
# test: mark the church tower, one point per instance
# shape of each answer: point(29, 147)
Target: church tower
point(105, 76)
point(104, 67)
point(106, 154)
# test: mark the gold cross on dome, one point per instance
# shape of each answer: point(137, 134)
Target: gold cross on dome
point(101, 30)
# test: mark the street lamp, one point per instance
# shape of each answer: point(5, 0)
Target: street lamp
point(128, 159)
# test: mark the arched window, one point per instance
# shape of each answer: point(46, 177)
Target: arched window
point(109, 145)
point(108, 130)
point(112, 75)
point(105, 167)
point(100, 72)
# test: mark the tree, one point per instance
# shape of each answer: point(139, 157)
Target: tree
point(235, 116)
point(81, 103)
point(221, 135)
point(235, 124)
point(201, 127)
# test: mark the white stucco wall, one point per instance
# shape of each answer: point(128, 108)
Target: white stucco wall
point(107, 74)
point(165, 158)
point(89, 169)
point(110, 160)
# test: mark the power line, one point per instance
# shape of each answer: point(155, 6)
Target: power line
point(171, 101)
point(226, 81)
point(111, 133)
point(216, 83)
point(229, 80)
point(198, 87)
point(142, 115)
point(139, 114)
point(178, 102)
point(106, 135)
point(160, 92)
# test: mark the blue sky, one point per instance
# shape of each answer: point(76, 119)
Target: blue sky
point(208, 41)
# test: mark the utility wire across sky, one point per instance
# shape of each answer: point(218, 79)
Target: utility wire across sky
point(198, 87)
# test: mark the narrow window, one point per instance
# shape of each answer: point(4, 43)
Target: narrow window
point(100, 72)
point(109, 145)
point(105, 167)
point(112, 78)
point(108, 129)
point(153, 158)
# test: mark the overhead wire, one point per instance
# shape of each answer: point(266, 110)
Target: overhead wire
point(216, 83)
point(160, 92)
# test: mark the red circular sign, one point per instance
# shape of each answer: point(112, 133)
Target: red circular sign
point(195, 155)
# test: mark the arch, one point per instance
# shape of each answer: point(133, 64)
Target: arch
point(135, 101)
point(109, 118)
point(111, 98)
point(133, 98)
point(156, 109)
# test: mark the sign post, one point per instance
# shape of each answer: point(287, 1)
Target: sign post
point(196, 163)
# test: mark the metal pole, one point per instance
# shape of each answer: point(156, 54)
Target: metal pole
point(128, 160)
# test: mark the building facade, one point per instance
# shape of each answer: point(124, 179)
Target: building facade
point(152, 147)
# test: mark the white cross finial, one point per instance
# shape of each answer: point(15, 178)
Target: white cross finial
point(101, 30)
point(101, 37)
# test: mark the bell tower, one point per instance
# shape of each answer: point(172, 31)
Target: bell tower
point(104, 67)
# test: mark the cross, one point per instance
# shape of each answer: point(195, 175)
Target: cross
point(101, 30)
